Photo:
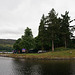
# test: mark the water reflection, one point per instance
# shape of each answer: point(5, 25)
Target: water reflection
point(11, 66)
point(26, 67)
point(41, 67)
point(5, 66)
point(72, 70)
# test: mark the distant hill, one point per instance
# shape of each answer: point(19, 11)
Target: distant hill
point(7, 41)
point(6, 44)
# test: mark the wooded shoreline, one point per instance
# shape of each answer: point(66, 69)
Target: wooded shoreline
point(58, 55)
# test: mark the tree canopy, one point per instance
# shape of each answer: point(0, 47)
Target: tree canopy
point(53, 32)
point(26, 41)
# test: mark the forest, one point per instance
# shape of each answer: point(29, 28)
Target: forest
point(53, 32)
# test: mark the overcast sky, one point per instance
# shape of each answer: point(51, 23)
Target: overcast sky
point(16, 15)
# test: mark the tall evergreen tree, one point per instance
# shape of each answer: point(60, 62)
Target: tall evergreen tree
point(42, 31)
point(65, 31)
point(52, 26)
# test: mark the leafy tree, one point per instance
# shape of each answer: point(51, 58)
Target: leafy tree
point(27, 40)
point(16, 45)
point(53, 32)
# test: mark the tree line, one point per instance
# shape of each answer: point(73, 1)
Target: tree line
point(53, 32)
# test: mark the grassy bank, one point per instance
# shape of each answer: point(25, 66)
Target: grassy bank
point(67, 54)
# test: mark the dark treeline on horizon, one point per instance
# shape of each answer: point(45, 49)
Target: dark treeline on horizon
point(53, 32)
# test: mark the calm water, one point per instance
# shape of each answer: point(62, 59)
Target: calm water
point(11, 66)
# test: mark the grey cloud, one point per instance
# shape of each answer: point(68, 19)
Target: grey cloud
point(16, 15)
point(9, 4)
point(10, 32)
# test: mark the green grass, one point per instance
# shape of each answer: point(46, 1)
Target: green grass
point(48, 55)
point(61, 49)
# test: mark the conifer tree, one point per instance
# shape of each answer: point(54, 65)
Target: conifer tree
point(52, 26)
point(42, 31)
point(65, 31)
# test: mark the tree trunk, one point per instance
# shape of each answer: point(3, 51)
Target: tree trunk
point(42, 44)
point(52, 45)
point(65, 44)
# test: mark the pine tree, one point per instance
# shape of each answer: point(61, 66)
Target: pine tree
point(52, 26)
point(42, 31)
point(65, 31)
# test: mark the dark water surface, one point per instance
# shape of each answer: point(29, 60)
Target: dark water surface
point(12, 66)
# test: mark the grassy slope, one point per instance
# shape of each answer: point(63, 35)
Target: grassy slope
point(49, 55)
